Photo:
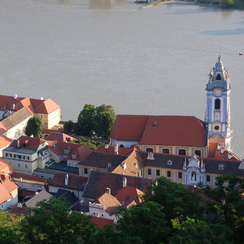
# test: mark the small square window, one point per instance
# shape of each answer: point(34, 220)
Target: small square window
point(168, 173)
point(208, 178)
point(149, 171)
point(18, 165)
point(157, 172)
point(180, 175)
point(26, 166)
point(68, 163)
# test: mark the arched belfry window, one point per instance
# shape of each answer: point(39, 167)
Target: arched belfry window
point(217, 104)
point(218, 77)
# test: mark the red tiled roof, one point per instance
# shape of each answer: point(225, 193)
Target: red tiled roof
point(174, 130)
point(9, 185)
point(4, 141)
point(129, 127)
point(5, 166)
point(33, 142)
point(26, 102)
point(58, 136)
point(47, 107)
point(19, 210)
point(128, 194)
point(81, 151)
point(100, 222)
point(16, 175)
point(160, 130)
point(4, 196)
point(223, 154)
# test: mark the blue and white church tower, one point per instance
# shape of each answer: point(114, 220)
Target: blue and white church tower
point(217, 115)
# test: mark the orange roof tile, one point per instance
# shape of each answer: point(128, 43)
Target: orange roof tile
point(9, 185)
point(4, 141)
point(5, 166)
point(58, 136)
point(4, 196)
point(47, 107)
point(128, 194)
point(33, 142)
point(2, 128)
point(160, 130)
point(100, 222)
point(224, 154)
point(129, 127)
point(26, 102)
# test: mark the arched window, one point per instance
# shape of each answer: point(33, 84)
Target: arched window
point(165, 150)
point(149, 149)
point(182, 152)
point(198, 153)
point(217, 104)
point(121, 145)
point(218, 77)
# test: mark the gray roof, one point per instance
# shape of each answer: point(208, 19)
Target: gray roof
point(43, 195)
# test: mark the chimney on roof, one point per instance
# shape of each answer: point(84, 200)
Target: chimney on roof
point(124, 182)
point(18, 144)
point(19, 205)
point(15, 96)
point(13, 106)
point(108, 190)
point(41, 98)
point(106, 146)
point(155, 123)
point(53, 146)
point(66, 179)
point(116, 149)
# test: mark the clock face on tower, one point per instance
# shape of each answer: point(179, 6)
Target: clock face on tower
point(217, 92)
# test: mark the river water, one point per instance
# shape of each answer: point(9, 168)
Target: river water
point(141, 61)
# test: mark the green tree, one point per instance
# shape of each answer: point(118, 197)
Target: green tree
point(34, 127)
point(69, 126)
point(85, 123)
point(52, 222)
point(227, 3)
point(9, 228)
point(97, 120)
point(225, 204)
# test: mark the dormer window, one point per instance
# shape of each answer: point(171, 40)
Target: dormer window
point(169, 162)
point(73, 156)
point(221, 167)
point(66, 151)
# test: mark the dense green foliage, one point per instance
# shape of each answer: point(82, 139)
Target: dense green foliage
point(171, 214)
point(89, 143)
point(93, 120)
point(34, 127)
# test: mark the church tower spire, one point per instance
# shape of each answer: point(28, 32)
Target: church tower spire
point(217, 115)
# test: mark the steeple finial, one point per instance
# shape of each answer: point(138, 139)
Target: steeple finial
point(219, 58)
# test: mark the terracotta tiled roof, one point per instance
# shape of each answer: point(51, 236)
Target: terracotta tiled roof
point(111, 204)
point(75, 182)
point(129, 127)
point(5, 166)
point(174, 130)
point(99, 181)
point(80, 151)
point(4, 196)
point(128, 194)
point(160, 130)
point(4, 141)
point(216, 152)
point(101, 160)
point(33, 178)
point(9, 185)
point(121, 150)
point(101, 222)
point(58, 136)
point(47, 107)
point(32, 142)
point(131, 165)
point(26, 102)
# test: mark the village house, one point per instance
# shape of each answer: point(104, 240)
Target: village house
point(26, 154)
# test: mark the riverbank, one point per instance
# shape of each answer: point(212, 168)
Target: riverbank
point(206, 3)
